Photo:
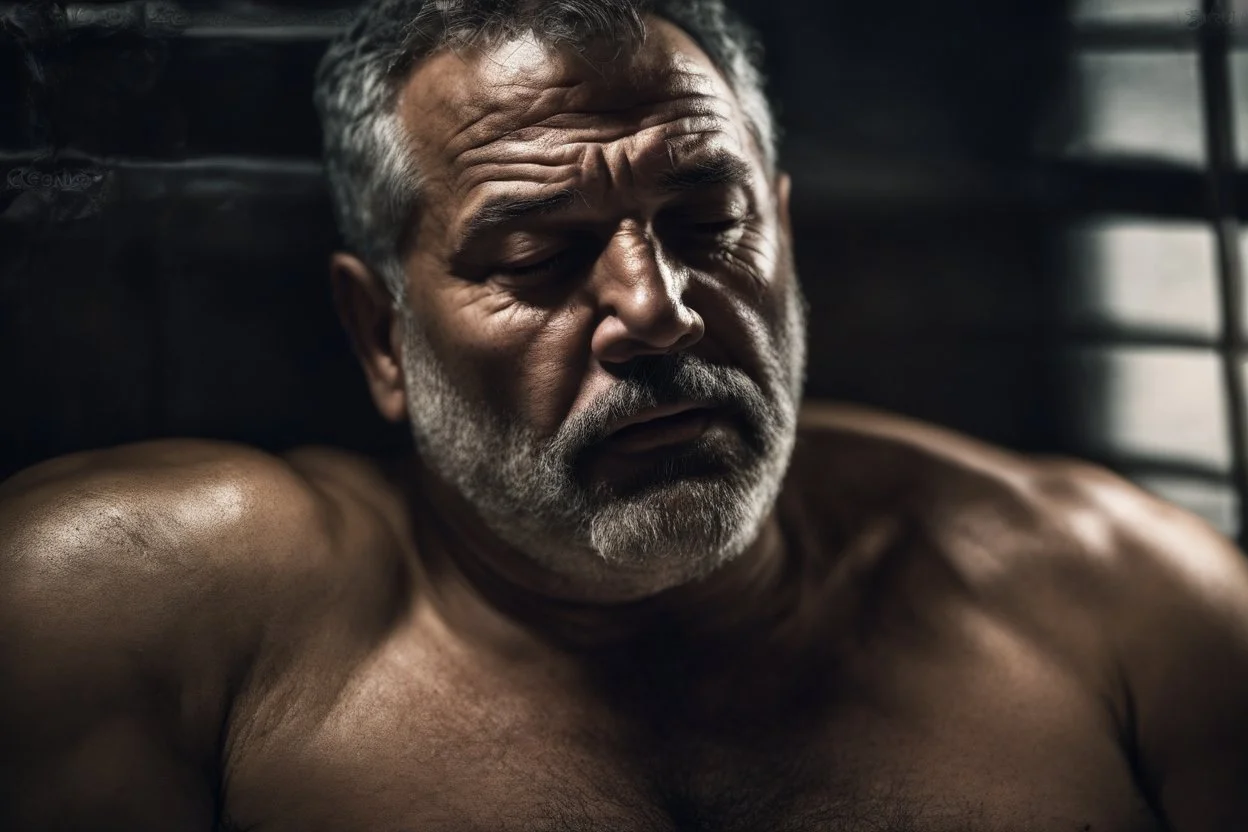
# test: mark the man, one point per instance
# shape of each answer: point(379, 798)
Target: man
point(623, 583)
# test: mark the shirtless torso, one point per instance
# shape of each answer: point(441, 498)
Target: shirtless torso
point(202, 635)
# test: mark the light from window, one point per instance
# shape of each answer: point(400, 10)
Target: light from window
point(1138, 104)
point(1150, 404)
point(1128, 274)
point(1134, 12)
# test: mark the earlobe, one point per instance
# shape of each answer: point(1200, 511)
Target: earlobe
point(374, 328)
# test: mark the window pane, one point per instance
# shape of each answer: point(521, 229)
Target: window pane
point(1239, 90)
point(1140, 104)
point(1150, 403)
point(1153, 12)
point(1136, 274)
point(1215, 502)
point(1243, 259)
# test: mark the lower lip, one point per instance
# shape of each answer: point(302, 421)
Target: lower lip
point(657, 433)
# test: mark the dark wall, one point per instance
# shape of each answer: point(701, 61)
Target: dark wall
point(164, 231)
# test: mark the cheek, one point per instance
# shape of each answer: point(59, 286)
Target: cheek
point(745, 319)
point(522, 362)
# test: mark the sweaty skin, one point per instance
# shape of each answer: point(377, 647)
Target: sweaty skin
point(927, 635)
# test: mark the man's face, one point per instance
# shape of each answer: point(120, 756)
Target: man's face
point(598, 240)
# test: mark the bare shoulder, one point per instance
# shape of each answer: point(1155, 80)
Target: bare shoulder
point(133, 586)
point(143, 591)
point(1173, 613)
point(160, 510)
point(874, 460)
point(835, 427)
point(1051, 542)
point(1142, 599)
point(170, 548)
point(995, 522)
point(162, 537)
point(1012, 512)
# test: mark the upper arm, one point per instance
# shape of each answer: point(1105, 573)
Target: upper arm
point(86, 709)
point(1181, 635)
point(120, 638)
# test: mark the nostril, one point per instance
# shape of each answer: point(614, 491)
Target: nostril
point(621, 337)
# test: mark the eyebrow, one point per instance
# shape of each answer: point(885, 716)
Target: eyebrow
point(720, 169)
point(506, 210)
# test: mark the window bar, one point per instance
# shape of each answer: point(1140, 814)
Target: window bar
point(1219, 115)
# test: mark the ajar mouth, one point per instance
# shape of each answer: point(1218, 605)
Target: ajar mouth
point(659, 420)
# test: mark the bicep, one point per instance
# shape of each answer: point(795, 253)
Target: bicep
point(1193, 734)
point(111, 773)
point(1185, 654)
point(92, 734)
point(86, 745)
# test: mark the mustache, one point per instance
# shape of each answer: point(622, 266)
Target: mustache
point(657, 380)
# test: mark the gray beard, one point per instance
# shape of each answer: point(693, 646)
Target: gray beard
point(689, 516)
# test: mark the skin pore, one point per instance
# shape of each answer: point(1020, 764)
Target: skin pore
point(595, 240)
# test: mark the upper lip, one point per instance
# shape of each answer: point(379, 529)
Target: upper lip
point(655, 413)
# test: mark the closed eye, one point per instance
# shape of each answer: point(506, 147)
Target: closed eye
point(717, 226)
point(554, 265)
point(533, 268)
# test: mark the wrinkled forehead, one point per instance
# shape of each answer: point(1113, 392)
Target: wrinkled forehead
point(521, 99)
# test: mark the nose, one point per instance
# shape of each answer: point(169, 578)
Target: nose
point(642, 302)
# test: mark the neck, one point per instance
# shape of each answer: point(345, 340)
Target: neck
point(486, 590)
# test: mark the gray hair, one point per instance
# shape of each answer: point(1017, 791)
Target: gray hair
point(373, 181)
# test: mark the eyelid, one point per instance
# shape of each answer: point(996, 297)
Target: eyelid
point(528, 249)
point(731, 217)
point(531, 258)
point(564, 258)
point(715, 221)
point(734, 203)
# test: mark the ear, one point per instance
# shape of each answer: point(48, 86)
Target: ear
point(375, 329)
point(784, 186)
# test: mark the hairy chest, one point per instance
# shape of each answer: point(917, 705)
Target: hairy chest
point(985, 739)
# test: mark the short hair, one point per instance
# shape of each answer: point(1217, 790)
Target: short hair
point(373, 181)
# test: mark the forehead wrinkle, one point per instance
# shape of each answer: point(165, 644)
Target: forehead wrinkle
point(556, 126)
point(519, 172)
point(535, 127)
point(565, 145)
point(552, 92)
point(479, 131)
point(585, 164)
point(585, 125)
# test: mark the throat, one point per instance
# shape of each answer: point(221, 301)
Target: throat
point(748, 598)
point(484, 590)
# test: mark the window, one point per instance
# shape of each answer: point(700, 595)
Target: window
point(1153, 301)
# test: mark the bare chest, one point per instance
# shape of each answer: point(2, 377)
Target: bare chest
point(981, 738)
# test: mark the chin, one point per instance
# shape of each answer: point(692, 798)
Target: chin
point(692, 527)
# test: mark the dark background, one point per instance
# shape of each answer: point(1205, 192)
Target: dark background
point(1015, 219)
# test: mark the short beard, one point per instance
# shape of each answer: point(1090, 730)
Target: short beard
point(695, 510)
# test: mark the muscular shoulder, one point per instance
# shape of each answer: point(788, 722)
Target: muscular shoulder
point(1086, 562)
point(141, 550)
point(164, 537)
point(1170, 596)
point(136, 586)
point(924, 474)
point(1049, 543)
point(1148, 603)
point(157, 509)
point(1001, 512)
